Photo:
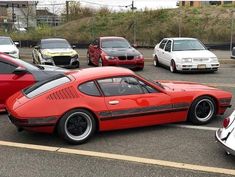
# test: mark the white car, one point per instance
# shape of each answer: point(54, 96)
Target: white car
point(184, 54)
point(226, 135)
point(9, 47)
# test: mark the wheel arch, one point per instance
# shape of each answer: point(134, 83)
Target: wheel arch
point(97, 126)
point(205, 95)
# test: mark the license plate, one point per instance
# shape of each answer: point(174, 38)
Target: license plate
point(201, 66)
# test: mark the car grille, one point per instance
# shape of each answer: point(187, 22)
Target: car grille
point(125, 57)
point(62, 60)
point(201, 59)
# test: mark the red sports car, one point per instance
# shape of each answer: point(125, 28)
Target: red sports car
point(16, 74)
point(114, 51)
point(110, 98)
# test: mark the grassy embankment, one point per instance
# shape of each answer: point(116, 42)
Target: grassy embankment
point(210, 24)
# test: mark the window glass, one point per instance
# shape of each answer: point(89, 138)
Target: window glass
point(162, 45)
point(46, 85)
point(120, 86)
point(147, 88)
point(89, 88)
point(6, 68)
point(168, 46)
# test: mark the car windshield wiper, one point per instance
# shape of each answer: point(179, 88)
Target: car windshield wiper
point(159, 84)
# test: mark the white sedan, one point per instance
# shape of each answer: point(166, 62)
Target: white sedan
point(9, 47)
point(184, 54)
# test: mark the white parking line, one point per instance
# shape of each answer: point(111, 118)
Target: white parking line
point(122, 158)
point(193, 127)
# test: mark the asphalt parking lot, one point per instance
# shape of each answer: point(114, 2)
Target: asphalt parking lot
point(167, 150)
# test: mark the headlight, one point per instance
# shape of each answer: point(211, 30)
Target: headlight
point(186, 60)
point(46, 57)
point(109, 57)
point(75, 56)
point(214, 59)
point(13, 52)
point(139, 56)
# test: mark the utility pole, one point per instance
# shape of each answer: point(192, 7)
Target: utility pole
point(134, 22)
point(67, 11)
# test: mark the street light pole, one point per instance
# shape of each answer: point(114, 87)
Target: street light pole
point(231, 37)
point(134, 23)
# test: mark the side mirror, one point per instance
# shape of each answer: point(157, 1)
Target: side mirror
point(74, 46)
point(37, 47)
point(20, 70)
point(17, 43)
point(134, 45)
point(208, 48)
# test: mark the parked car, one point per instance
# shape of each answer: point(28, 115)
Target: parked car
point(55, 51)
point(184, 54)
point(226, 135)
point(114, 51)
point(110, 98)
point(16, 74)
point(9, 47)
point(233, 53)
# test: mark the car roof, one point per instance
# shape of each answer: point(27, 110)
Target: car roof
point(53, 39)
point(111, 37)
point(100, 72)
point(181, 38)
point(4, 37)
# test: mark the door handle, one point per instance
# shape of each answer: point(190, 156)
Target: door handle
point(113, 102)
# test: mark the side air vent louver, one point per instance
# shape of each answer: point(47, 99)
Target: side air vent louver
point(66, 93)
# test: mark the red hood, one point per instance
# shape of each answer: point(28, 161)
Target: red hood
point(184, 86)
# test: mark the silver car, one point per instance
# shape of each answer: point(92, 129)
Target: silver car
point(226, 135)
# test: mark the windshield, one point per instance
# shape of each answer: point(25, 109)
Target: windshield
point(192, 44)
point(6, 41)
point(55, 44)
point(115, 43)
point(26, 65)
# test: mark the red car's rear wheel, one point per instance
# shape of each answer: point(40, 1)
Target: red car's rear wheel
point(76, 126)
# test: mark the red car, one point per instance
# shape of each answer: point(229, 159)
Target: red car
point(16, 74)
point(110, 98)
point(114, 51)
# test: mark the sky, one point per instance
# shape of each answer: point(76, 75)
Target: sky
point(115, 5)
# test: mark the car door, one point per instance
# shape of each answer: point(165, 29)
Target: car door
point(11, 82)
point(166, 55)
point(160, 51)
point(130, 105)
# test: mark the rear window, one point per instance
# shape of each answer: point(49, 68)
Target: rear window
point(46, 85)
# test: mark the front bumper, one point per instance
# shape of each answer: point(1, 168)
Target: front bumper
point(222, 143)
point(64, 62)
point(131, 64)
point(197, 66)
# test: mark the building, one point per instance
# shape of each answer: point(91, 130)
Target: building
point(47, 18)
point(204, 3)
point(18, 14)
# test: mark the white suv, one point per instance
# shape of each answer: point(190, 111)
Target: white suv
point(8, 46)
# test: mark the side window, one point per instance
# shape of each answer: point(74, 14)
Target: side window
point(168, 46)
point(162, 45)
point(89, 88)
point(6, 68)
point(120, 86)
point(147, 88)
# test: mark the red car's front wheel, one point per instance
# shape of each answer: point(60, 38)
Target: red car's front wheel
point(76, 126)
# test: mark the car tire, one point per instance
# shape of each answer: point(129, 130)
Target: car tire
point(155, 61)
point(173, 67)
point(76, 126)
point(202, 110)
point(88, 59)
point(100, 62)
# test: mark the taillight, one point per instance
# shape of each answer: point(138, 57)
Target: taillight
point(226, 122)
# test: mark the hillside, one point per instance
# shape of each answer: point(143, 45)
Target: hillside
point(210, 24)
